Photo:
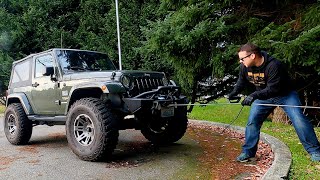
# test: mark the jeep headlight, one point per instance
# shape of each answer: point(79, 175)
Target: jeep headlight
point(126, 81)
point(165, 81)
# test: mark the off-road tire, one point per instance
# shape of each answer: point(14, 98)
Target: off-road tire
point(102, 122)
point(17, 126)
point(175, 128)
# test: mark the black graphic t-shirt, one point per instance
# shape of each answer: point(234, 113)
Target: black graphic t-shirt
point(271, 79)
point(256, 78)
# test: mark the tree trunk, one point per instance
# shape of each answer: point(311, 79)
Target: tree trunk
point(194, 94)
point(280, 116)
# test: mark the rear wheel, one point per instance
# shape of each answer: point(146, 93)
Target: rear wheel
point(160, 130)
point(91, 129)
point(17, 126)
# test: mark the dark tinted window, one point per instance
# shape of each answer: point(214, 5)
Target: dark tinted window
point(72, 60)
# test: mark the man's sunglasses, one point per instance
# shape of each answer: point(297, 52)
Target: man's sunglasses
point(241, 59)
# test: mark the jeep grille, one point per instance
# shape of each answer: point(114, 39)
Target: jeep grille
point(143, 84)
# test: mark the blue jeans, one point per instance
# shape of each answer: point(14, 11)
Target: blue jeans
point(301, 123)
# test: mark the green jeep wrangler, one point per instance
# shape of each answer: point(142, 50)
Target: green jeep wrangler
point(84, 91)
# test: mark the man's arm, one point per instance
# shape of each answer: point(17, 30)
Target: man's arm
point(241, 82)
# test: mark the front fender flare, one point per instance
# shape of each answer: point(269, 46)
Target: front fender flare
point(111, 87)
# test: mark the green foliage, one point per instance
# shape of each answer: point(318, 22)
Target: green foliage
point(33, 26)
point(295, 42)
point(311, 17)
point(187, 39)
point(5, 68)
point(7, 38)
point(190, 40)
point(200, 38)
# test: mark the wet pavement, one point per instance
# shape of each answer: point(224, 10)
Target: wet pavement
point(200, 154)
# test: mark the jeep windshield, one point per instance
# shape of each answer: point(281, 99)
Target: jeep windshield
point(74, 60)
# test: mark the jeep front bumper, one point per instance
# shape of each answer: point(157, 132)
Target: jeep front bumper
point(158, 99)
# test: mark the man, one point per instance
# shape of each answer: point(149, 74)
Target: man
point(273, 86)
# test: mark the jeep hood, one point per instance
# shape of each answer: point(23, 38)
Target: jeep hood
point(107, 75)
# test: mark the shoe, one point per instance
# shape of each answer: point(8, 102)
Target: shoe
point(315, 157)
point(243, 157)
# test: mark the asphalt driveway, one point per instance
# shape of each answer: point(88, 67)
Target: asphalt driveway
point(201, 154)
point(49, 157)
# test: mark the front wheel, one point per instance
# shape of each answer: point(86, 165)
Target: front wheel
point(91, 129)
point(160, 130)
point(17, 126)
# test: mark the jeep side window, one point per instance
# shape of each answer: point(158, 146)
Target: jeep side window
point(41, 63)
point(21, 74)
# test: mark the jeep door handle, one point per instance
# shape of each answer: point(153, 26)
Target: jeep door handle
point(35, 84)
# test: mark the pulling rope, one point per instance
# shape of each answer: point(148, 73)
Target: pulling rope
point(217, 104)
point(228, 126)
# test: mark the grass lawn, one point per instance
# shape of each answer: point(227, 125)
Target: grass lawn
point(302, 167)
point(2, 108)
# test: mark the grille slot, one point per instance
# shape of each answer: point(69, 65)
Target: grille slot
point(144, 84)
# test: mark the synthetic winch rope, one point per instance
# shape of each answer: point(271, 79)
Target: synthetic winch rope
point(216, 104)
point(228, 126)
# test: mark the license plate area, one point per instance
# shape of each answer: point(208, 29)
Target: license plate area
point(167, 111)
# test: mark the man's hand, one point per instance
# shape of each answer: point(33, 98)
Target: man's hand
point(232, 94)
point(233, 97)
point(247, 101)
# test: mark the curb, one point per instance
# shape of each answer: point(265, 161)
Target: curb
point(282, 155)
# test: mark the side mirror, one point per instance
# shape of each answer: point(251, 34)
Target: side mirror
point(48, 71)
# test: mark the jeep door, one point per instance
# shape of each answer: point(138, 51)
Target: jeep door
point(44, 88)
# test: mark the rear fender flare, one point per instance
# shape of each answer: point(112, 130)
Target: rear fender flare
point(20, 98)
